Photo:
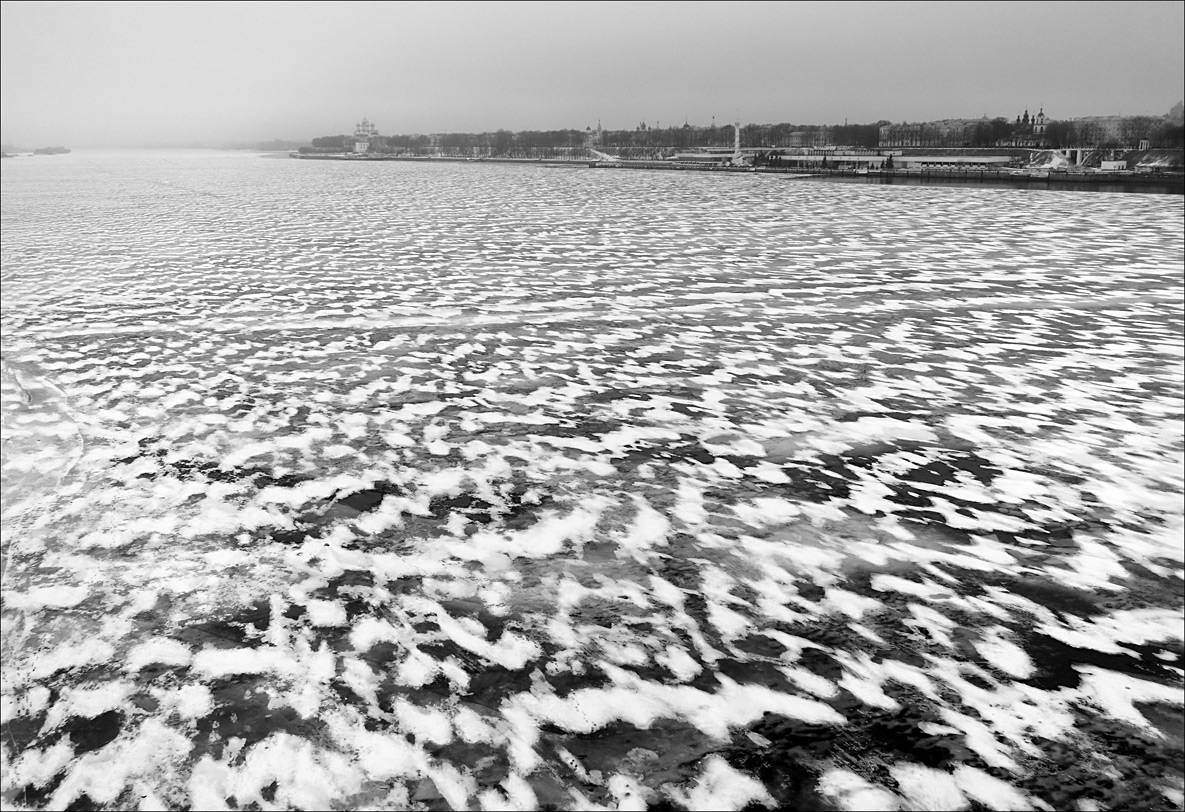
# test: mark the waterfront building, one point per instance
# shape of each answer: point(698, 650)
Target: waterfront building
point(949, 132)
point(954, 132)
point(1027, 131)
point(907, 135)
point(1094, 130)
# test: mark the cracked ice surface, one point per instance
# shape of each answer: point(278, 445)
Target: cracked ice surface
point(335, 486)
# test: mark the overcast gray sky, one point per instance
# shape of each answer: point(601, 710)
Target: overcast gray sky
point(170, 73)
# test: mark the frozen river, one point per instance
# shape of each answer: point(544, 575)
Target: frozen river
point(390, 485)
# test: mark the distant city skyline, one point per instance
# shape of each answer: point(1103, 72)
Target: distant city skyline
point(124, 74)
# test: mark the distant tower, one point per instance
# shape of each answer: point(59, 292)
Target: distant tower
point(738, 159)
point(363, 132)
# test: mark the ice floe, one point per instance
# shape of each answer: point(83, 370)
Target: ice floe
point(585, 490)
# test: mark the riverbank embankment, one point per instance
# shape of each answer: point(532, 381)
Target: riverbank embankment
point(1171, 183)
point(1162, 182)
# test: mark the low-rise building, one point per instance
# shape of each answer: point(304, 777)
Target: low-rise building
point(976, 161)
